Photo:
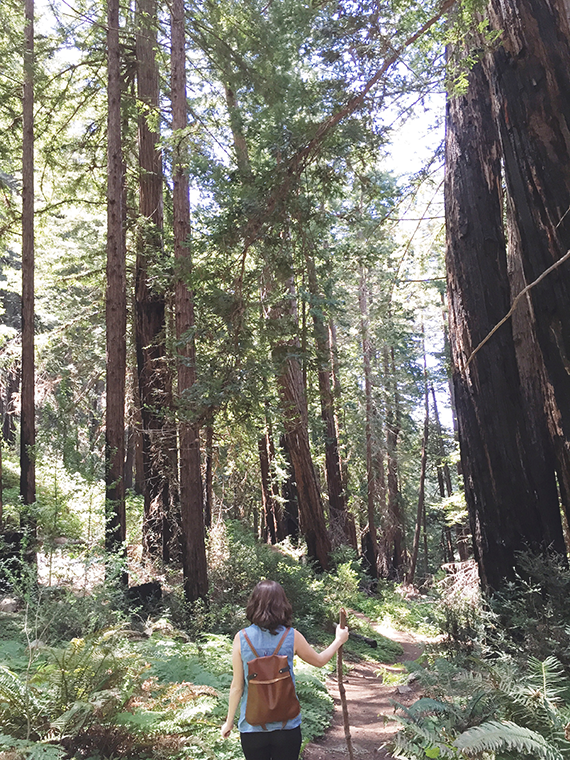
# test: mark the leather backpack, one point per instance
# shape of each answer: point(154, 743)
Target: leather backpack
point(271, 693)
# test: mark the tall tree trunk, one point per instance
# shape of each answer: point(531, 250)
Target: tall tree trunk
point(28, 426)
point(342, 523)
point(267, 500)
point(443, 478)
point(421, 493)
point(393, 528)
point(369, 424)
point(290, 381)
point(155, 391)
point(12, 392)
point(337, 396)
point(275, 526)
point(191, 498)
point(530, 85)
point(209, 502)
point(495, 454)
point(115, 306)
point(295, 417)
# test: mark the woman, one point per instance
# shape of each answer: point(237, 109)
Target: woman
point(270, 614)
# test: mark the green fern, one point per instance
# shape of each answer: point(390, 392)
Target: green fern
point(549, 678)
point(495, 735)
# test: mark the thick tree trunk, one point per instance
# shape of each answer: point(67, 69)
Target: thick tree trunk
point(530, 85)
point(155, 385)
point(115, 305)
point(191, 498)
point(496, 460)
point(28, 425)
point(293, 401)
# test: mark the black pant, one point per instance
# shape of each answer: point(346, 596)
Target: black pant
point(272, 745)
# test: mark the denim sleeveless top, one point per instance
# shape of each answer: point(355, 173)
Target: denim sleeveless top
point(265, 644)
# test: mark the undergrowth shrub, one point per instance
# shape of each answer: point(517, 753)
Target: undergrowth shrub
point(492, 711)
point(238, 562)
point(64, 692)
point(391, 604)
point(532, 611)
point(56, 614)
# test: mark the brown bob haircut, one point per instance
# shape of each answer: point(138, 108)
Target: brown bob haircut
point(268, 607)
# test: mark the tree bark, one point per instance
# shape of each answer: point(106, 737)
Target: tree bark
point(28, 425)
point(209, 501)
point(370, 414)
point(421, 493)
point(267, 500)
point(291, 388)
point(393, 528)
point(495, 454)
point(342, 523)
point(191, 499)
point(155, 386)
point(115, 305)
point(530, 86)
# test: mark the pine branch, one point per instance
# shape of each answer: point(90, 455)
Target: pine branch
point(305, 155)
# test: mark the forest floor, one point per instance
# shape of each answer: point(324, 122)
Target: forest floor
point(370, 704)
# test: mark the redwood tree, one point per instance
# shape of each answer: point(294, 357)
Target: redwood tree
point(512, 500)
point(529, 76)
point(115, 304)
point(28, 428)
point(191, 498)
point(155, 396)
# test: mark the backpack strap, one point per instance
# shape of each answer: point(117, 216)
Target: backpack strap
point(279, 645)
point(250, 644)
point(281, 640)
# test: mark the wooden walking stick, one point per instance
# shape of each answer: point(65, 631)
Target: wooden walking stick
point(341, 690)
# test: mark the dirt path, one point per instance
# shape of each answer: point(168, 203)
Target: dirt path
point(369, 706)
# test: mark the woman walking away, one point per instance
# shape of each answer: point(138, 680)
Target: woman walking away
point(263, 679)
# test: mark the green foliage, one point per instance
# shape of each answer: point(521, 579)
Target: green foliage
point(475, 707)
point(469, 37)
point(532, 611)
point(390, 604)
point(64, 692)
point(494, 736)
point(239, 562)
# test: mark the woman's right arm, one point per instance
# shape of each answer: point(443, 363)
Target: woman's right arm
point(306, 652)
point(236, 689)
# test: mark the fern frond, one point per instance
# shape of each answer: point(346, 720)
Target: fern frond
point(17, 694)
point(12, 688)
point(548, 677)
point(495, 735)
point(425, 706)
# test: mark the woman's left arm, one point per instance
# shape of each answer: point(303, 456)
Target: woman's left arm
point(236, 689)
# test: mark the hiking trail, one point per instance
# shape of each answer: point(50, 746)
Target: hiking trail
point(369, 703)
